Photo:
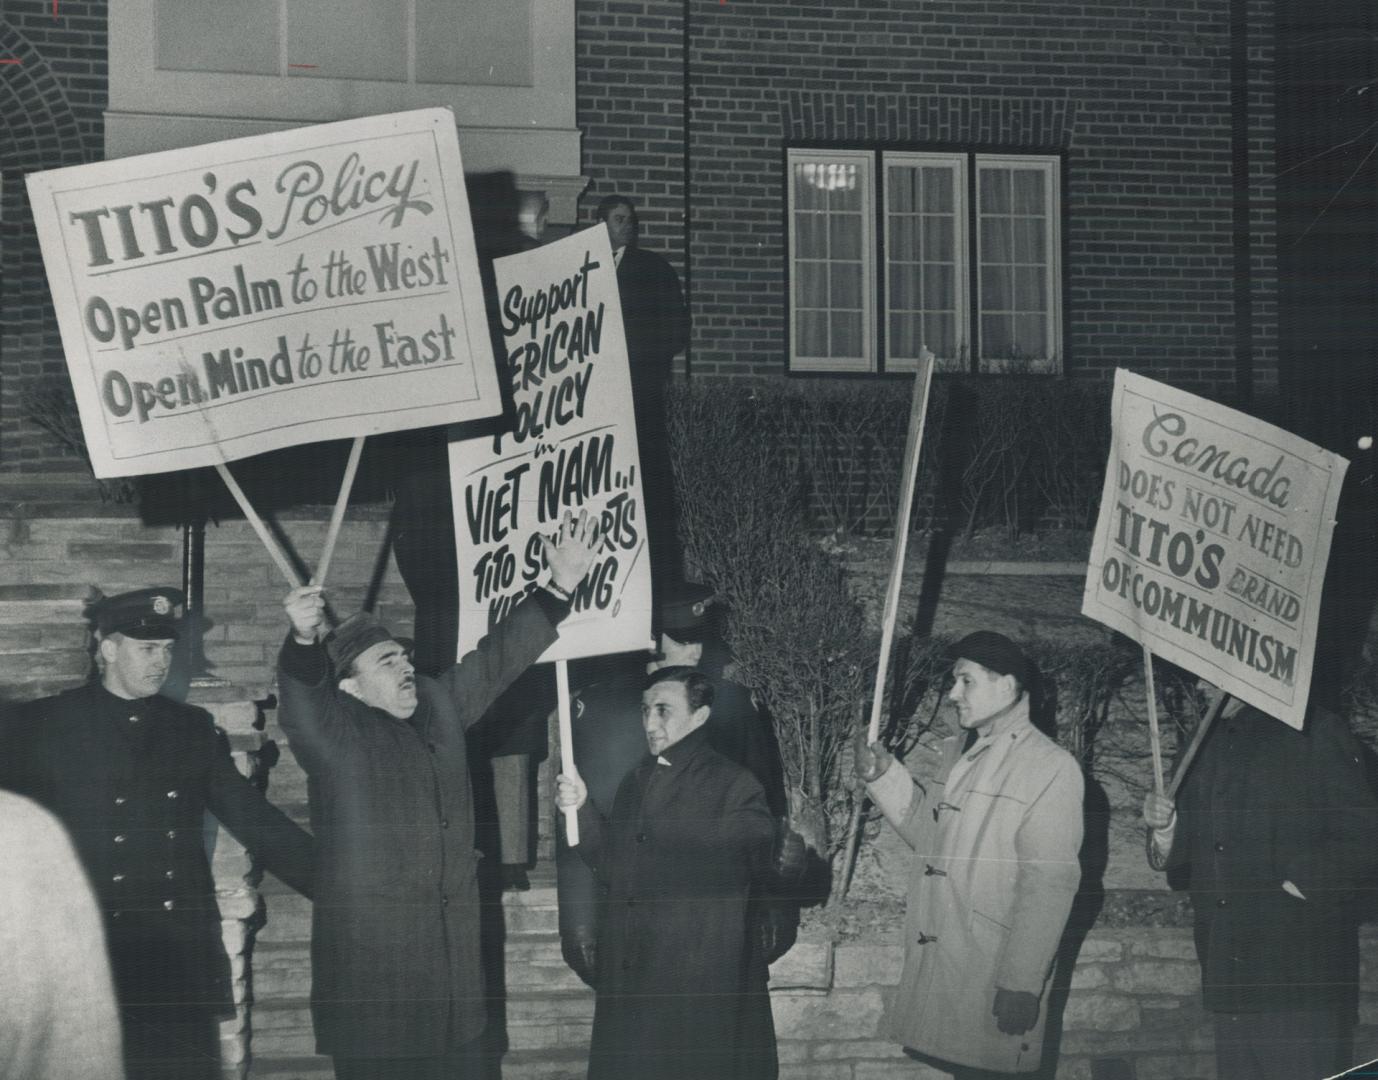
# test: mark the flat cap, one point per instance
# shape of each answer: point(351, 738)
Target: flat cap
point(346, 642)
point(148, 614)
point(685, 611)
point(995, 652)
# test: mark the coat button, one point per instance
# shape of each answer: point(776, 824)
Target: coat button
point(1219, 846)
point(168, 905)
point(444, 901)
point(120, 800)
point(119, 838)
point(169, 874)
point(172, 834)
point(133, 719)
point(641, 838)
point(116, 914)
point(172, 794)
point(117, 878)
point(1221, 902)
point(444, 823)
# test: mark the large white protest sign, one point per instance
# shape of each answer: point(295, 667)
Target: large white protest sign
point(1212, 542)
point(573, 448)
point(242, 296)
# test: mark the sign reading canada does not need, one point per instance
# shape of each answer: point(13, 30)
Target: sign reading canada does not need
point(242, 296)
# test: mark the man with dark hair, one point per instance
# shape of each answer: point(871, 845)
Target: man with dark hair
point(657, 329)
point(609, 742)
point(131, 774)
point(397, 987)
point(681, 986)
point(996, 828)
point(1273, 832)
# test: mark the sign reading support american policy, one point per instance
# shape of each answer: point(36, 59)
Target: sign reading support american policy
point(243, 296)
point(1212, 542)
point(573, 448)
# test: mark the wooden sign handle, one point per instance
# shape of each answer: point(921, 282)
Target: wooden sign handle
point(566, 745)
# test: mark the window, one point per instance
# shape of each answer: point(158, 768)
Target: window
point(967, 262)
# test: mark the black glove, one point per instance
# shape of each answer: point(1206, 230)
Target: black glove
point(581, 954)
point(790, 854)
point(778, 927)
point(1015, 1011)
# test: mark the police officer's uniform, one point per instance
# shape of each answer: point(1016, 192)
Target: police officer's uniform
point(131, 781)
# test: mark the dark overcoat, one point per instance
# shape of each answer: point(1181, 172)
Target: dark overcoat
point(681, 986)
point(395, 962)
point(1263, 804)
point(132, 781)
point(609, 741)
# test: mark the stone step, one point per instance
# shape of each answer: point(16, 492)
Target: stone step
point(21, 666)
point(571, 1064)
point(291, 1068)
point(289, 915)
point(534, 961)
point(281, 974)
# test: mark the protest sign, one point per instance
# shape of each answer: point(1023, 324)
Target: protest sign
point(573, 448)
point(1212, 542)
point(243, 296)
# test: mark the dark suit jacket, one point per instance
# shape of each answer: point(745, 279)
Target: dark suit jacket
point(395, 962)
point(131, 781)
point(1263, 804)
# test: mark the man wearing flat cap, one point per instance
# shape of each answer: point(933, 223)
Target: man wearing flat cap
point(131, 773)
point(397, 989)
point(996, 829)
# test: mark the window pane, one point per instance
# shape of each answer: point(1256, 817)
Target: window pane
point(846, 334)
point(1028, 192)
point(812, 333)
point(997, 240)
point(807, 194)
point(1031, 336)
point(905, 334)
point(937, 191)
point(811, 290)
point(996, 342)
point(996, 293)
point(902, 239)
point(810, 236)
point(901, 182)
point(938, 239)
point(841, 183)
point(846, 285)
point(844, 232)
point(940, 334)
point(995, 191)
point(904, 290)
point(1029, 245)
point(939, 289)
point(1028, 288)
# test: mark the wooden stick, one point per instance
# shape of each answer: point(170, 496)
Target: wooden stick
point(337, 516)
point(918, 411)
point(251, 514)
point(1154, 741)
point(566, 745)
point(1213, 712)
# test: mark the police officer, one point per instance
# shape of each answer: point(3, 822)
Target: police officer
point(130, 773)
point(609, 741)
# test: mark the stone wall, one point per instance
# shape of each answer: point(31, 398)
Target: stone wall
point(1133, 996)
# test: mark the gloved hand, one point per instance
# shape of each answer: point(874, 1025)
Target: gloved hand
point(870, 760)
point(778, 926)
point(1015, 1011)
point(581, 954)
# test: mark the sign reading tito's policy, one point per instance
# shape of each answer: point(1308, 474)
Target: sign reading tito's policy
point(1212, 542)
point(573, 448)
point(242, 296)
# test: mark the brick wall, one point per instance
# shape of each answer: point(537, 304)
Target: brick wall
point(1138, 96)
point(51, 114)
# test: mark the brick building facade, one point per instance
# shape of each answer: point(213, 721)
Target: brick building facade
point(1141, 111)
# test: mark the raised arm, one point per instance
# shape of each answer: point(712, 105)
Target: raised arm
point(308, 713)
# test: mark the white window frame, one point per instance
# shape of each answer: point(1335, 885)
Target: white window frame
point(968, 220)
point(962, 274)
point(1051, 168)
point(866, 161)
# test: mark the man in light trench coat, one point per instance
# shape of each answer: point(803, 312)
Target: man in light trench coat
point(996, 830)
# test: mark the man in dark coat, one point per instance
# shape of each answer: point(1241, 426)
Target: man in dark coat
point(609, 742)
point(681, 986)
point(131, 773)
point(1273, 831)
point(657, 329)
point(397, 981)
